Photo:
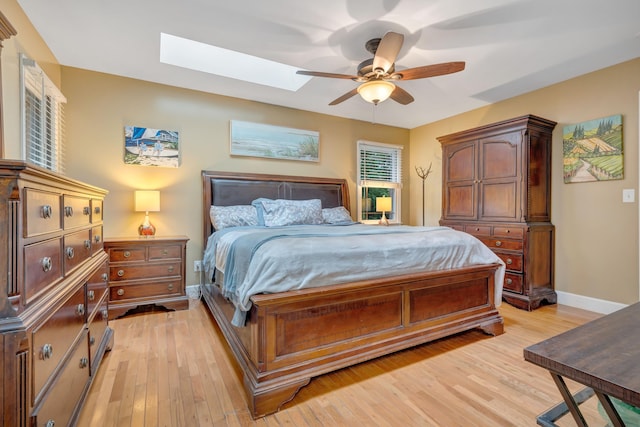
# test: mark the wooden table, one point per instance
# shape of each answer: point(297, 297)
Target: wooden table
point(603, 354)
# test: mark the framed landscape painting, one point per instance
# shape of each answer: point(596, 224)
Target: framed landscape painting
point(151, 147)
point(274, 142)
point(592, 150)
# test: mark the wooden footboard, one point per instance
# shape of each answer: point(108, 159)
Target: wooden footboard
point(293, 336)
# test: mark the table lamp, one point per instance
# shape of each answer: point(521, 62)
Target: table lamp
point(383, 204)
point(147, 201)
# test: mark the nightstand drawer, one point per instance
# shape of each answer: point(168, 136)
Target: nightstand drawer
point(127, 254)
point(165, 252)
point(155, 289)
point(131, 272)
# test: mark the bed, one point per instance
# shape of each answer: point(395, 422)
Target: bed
point(289, 337)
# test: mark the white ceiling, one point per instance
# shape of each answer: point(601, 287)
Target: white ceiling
point(510, 46)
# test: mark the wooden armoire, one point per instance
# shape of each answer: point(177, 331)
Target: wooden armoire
point(497, 186)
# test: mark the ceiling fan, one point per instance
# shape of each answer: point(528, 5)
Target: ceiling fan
point(377, 74)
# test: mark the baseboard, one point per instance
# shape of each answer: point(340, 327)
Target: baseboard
point(588, 303)
point(193, 291)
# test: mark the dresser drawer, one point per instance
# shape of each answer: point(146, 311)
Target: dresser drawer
point(478, 230)
point(58, 406)
point(509, 232)
point(77, 249)
point(76, 211)
point(513, 261)
point(155, 289)
point(42, 266)
point(52, 339)
point(97, 328)
point(144, 271)
point(42, 212)
point(165, 252)
point(511, 245)
point(97, 243)
point(513, 282)
point(127, 254)
point(97, 286)
point(96, 210)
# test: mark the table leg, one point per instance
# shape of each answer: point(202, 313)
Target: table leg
point(569, 400)
point(611, 411)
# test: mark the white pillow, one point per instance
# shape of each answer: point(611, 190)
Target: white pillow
point(277, 213)
point(232, 216)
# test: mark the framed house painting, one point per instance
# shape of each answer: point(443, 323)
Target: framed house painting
point(151, 147)
point(274, 142)
point(592, 150)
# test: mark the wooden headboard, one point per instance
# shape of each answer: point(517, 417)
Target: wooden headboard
point(229, 189)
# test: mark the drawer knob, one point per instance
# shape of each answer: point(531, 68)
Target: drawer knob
point(170, 269)
point(84, 362)
point(68, 211)
point(508, 281)
point(120, 292)
point(92, 341)
point(105, 277)
point(120, 273)
point(509, 261)
point(80, 309)
point(70, 252)
point(47, 211)
point(91, 295)
point(170, 286)
point(498, 243)
point(97, 238)
point(50, 423)
point(105, 314)
point(47, 265)
point(86, 210)
point(96, 209)
point(165, 252)
point(508, 231)
point(126, 254)
point(477, 229)
point(87, 244)
point(46, 352)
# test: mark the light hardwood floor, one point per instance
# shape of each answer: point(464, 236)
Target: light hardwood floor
point(174, 369)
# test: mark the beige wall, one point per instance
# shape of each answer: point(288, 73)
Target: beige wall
point(596, 234)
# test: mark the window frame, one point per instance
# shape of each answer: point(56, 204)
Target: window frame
point(394, 183)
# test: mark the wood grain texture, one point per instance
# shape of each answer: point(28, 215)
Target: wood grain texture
point(175, 369)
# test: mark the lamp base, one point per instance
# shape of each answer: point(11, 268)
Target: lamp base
point(146, 228)
point(383, 220)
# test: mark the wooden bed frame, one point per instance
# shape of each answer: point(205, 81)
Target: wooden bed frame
point(293, 336)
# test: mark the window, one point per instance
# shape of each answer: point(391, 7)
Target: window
point(379, 175)
point(42, 118)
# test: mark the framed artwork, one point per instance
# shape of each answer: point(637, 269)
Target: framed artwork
point(151, 147)
point(592, 150)
point(274, 142)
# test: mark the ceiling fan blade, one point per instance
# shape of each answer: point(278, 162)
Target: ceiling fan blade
point(387, 51)
point(428, 71)
point(401, 96)
point(344, 97)
point(330, 75)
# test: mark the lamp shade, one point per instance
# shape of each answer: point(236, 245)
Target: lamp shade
point(376, 91)
point(147, 201)
point(383, 204)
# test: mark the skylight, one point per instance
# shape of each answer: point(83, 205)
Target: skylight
point(228, 63)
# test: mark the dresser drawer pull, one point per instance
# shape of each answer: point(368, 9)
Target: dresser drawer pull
point(46, 352)
point(170, 269)
point(68, 211)
point(120, 273)
point(47, 265)
point(92, 341)
point(91, 295)
point(508, 231)
point(498, 243)
point(97, 238)
point(170, 286)
point(96, 209)
point(120, 292)
point(86, 210)
point(47, 211)
point(509, 261)
point(84, 362)
point(126, 254)
point(87, 244)
point(50, 423)
point(105, 277)
point(80, 309)
point(508, 281)
point(70, 252)
point(165, 252)
point(105, 314)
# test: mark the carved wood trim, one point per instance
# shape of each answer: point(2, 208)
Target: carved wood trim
point(6, 31)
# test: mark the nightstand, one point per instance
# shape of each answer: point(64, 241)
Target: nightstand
point(146, 271)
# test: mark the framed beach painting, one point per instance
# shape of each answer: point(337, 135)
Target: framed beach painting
point(274, 142)
point(151, 147)
point(592, 150)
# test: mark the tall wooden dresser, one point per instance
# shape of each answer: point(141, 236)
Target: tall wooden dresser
point(497, 186)
point(54, 315)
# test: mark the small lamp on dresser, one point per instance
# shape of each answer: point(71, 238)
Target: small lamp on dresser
point(147, 201)
point(383, 204)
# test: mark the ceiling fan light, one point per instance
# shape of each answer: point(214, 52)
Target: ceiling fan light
point(376, 91)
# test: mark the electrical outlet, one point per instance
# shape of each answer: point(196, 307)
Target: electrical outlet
point(628, 195)
point(197, 266)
